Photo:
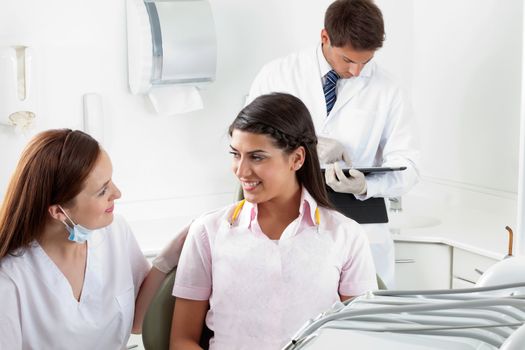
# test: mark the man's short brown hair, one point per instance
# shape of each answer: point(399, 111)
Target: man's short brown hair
point(355, 23)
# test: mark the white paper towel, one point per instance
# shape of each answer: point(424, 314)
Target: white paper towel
point(175, 99)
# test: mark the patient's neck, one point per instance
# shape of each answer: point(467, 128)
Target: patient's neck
point(276, 214)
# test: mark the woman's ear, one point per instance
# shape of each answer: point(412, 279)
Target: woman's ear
point(298, 157)
point(56, 212)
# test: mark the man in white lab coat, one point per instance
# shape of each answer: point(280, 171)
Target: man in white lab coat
point(361, 116)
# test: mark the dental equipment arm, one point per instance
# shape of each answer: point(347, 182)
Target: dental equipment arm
point(434, 292)
point(490, 314)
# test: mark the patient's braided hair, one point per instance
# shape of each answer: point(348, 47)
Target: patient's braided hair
point(287, 121)
point(284, 141)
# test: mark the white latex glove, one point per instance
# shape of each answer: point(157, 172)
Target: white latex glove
point(330, 151)
point(169, 256)
point(336, 179)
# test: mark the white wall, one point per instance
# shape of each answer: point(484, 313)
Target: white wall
point(467, 78)
point(459, 59)
point(81, 48)
point(397, 53)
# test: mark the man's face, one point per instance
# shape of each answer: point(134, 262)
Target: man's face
point(346, 61)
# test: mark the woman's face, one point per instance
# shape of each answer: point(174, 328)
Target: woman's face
point(93, 206)
point(265, 171)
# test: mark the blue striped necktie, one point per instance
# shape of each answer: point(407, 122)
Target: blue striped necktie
point(329, 89)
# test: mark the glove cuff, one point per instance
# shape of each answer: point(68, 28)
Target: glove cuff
point(363, 192)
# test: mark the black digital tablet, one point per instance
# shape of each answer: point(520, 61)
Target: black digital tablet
point(371, 170)
point(370, 211)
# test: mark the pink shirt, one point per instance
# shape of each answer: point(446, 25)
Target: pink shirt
point(262, 291)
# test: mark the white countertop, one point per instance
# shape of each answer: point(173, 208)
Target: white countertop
point(472, 221)
point(476, 224)
point(478, 242)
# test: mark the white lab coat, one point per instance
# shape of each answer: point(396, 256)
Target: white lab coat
point(39, 310)
point(371, 118)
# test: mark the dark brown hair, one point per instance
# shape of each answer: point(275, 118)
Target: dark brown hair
point(287, 121)
point(51, 170)
point(355, 23)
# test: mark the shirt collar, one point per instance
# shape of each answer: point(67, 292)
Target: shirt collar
point(307, 208)
point(325, 67)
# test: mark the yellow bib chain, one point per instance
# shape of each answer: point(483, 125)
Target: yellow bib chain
point(239, 206)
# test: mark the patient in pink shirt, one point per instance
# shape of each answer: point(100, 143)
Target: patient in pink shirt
point(258, 269)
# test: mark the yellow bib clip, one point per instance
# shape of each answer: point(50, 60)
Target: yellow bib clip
point(237, 211)
point(239, 206)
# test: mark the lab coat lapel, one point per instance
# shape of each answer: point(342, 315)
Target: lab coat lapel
point(318, 107)
point(349, 90)
point(313, 97)
point(352, 88)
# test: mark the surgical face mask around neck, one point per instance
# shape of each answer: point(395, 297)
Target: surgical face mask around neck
point(77, 233)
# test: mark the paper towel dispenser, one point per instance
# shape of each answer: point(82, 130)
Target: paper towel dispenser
point(170, 42)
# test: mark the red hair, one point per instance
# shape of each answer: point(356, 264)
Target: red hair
point(51, 170)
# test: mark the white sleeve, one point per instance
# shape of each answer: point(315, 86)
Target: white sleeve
point(358, 274)
point(194, 273)
point(10, 322)
point(400, 147)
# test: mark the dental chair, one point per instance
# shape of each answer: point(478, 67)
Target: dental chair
point(508, 270)
point(156, 327)
point(516, 341)
point(380, 284)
